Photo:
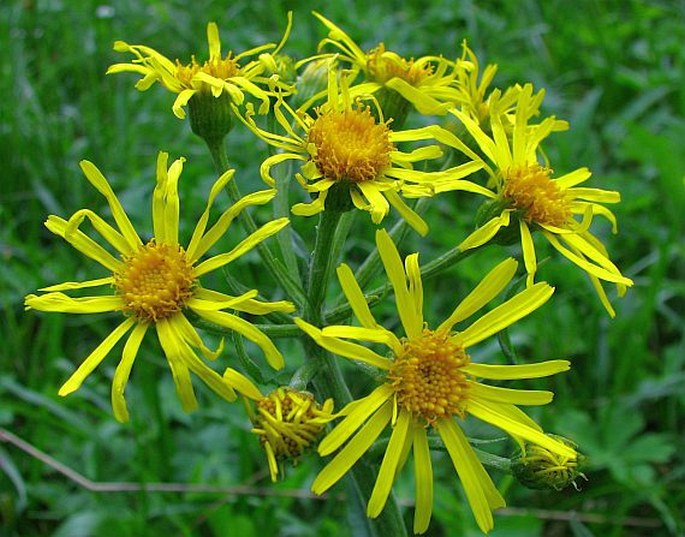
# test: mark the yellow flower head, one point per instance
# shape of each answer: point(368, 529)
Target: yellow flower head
point(288, 422)
point(153, 283)
point(431, 383)
point(217, 75)
point(344, 145)
point(526, 192)
point(428, 83)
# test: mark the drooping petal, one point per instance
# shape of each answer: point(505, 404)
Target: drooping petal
point(480, 491)
point(171, 345)
point(388, 469)
point(242, 384)
point(486, 232)
point(489, 414)
point(356, 413)
point(74, 382)
point(250, 331)
point(353, 451)
point(423, 474)
point(123, 371)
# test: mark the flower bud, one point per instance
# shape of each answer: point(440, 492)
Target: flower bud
point(288, 422)
point(538, 468)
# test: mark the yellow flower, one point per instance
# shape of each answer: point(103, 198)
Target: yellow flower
point(151, 284)
point(430, 382)
point(216, 75)
point(346, 146)
point(428, 83)
point(527, 193)
point(288, 421)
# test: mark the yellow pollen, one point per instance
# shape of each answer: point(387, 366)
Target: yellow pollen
point(223, 69)
point(350, 145)
point(427, 376)
point(531, 191)
point(382, 67)
point(155, 282)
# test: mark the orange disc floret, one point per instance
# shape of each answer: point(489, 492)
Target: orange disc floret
point(350, 145)
point(427, 376)
point(155, 282)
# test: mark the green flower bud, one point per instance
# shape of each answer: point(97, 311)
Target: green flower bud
point(211, 118)
point(538, 468)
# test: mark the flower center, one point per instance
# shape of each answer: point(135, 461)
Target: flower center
point(289, 421)
point(382, 66)
point(223, 69)
point(427, 376)
point(155, 282)
point(350, 145)
point(531, 190)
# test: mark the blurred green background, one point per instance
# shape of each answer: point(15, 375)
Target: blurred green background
point(614, 69)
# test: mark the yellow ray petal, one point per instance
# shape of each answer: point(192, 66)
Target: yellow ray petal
point(480, 491)
point(242, 384)
point(413, 219)
point(489, 414)
point(201, 243)
point(376, 335)
point(61, 303)
point(356, 413)
point(423, 474)
point(506, 314)
point(386, 474)
point(74, 382)
point(406, 308)
point(123, 371)
point(353, 451)
point(82, 242)
point(508, 395)
point(171, 345)
point(68, 286)
point(514, 372)
point(243, 247)
point(486, 232)
point(487, 289)
point(100, 183)
point(344, 348)
point(251, 332)
point(355, 296)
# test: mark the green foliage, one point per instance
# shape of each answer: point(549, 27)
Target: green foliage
point(613, 69)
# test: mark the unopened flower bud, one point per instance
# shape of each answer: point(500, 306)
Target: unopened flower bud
point(539, 468)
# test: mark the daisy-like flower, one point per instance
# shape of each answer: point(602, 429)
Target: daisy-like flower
point(152, 283)
point(219, 75)
point(287, 421)
point(430, 383)
point(345, 145)
point(428, 82)
point(529, 197)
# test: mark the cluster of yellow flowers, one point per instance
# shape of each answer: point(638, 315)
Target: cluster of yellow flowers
point(342, 113)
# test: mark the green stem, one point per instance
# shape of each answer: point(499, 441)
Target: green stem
point(292, 288)
point(327, 377)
